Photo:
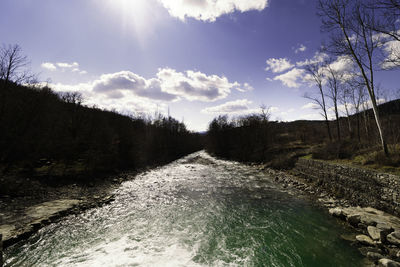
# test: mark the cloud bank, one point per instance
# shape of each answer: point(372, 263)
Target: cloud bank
point(126, 90)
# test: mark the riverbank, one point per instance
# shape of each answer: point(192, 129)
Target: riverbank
point(376, 233)
point(31, 204)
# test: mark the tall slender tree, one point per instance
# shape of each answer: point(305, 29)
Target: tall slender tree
point(315, 70)
point(347, 22)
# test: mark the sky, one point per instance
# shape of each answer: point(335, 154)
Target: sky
point(196, 58)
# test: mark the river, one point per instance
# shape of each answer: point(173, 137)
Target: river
point(196, 211)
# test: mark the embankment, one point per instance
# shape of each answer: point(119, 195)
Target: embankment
point(360, 187)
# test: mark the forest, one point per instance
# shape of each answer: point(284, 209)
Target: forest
point(53, 135)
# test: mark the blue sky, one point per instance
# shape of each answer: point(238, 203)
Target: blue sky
point(200, 58)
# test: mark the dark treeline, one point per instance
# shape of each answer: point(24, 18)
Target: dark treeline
point(54, 134)
point(254, 138)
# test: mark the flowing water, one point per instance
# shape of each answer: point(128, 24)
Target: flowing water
point(197, 211)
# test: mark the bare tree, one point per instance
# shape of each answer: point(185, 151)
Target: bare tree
point(348, 21)
point(72, 97)
point(389, 12)
point(316, 72)
point(344, 99)
point(265, 112)
point(13, 65)
point(354, 91)
point(334, 79)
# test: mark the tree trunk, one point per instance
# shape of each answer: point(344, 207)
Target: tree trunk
point(337, 122)
point(378, 123)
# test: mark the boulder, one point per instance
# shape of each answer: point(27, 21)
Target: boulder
point(364, 250)
point(388, 263)
point(337, 212)
point(349, 237)
point(394, 238)
point(366, 240)
point(369, 219)
point(374, 232)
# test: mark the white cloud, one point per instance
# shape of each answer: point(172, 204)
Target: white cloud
point(318, 57)
point(392, 50)
point(245, 88)
point(194, 85)
point(231, 107)
point(68, 65)
point(113, 84)
point(210, 10)
point(63, 66)
point(301, 48)
point(310, 105)
point(48, 66)
point(342, 64)
point(278, 64)
point(273, 109)
point(291, 78)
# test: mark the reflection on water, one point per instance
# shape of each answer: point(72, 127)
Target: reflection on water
point(197, 211)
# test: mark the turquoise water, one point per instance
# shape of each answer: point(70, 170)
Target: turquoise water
point(197, 211)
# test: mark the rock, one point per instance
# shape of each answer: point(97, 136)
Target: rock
point(1, 249)
point(373, 211)
point(369, 219)
point(366, 240)
point(388, 263)
point(374, 256)
point(354, 219)
point(394, 238)
point(349, 237)
point(364, 250)
point(392, 252)
point(337, 212)
point(374, 232)
point(384, 227)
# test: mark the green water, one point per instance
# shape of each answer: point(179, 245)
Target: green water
point(197, 211)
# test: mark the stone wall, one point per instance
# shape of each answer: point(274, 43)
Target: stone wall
point(358, 186)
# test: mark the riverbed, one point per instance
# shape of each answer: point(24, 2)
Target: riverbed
point(196, 211)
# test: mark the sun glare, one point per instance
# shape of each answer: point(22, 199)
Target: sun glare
point(135, 16)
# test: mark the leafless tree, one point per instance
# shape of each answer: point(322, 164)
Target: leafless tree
point(385, 24)
point(265, 112)
point(344, 99)
point(334, 79)
point(316, 72)
point(389, 13)
point(72, 97)
point(347, 22)
point(356, 92)
point(13, 65)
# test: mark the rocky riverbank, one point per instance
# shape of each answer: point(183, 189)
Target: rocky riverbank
point(31, 204)
point(376, 233)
